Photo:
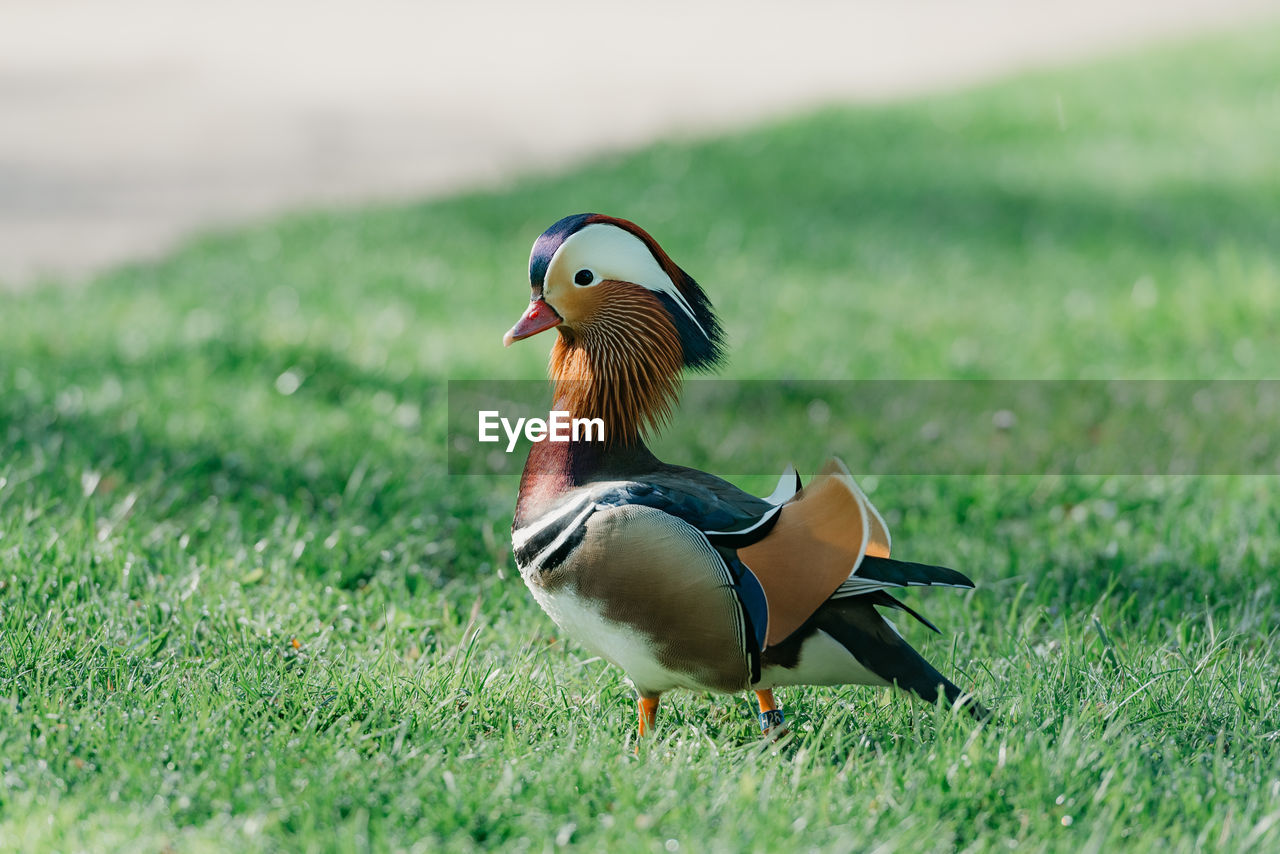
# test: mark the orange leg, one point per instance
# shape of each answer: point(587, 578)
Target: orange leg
point(648, 714)
point(771, 720)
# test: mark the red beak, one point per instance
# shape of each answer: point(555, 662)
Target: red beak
point(538, 317)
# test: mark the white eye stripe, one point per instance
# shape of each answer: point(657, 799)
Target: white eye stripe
point(610, 252)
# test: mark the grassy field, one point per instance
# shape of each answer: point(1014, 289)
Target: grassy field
point(243, 607)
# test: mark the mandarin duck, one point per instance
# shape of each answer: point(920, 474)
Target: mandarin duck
point(674, 575)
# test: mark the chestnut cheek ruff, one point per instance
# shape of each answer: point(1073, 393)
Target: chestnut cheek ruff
point(622, 366)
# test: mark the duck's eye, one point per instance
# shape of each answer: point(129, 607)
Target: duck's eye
point(584, 278)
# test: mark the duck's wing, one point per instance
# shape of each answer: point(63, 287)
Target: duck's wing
point(792, 551)
point(829, 541)
point(728, 516)
point(725, 516)
point(816, 541)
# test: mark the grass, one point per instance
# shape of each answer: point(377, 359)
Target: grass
point(244, 608)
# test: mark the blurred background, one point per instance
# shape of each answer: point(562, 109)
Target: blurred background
point(125, 125)
point(249, 250)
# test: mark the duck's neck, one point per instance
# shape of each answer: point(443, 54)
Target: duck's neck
point(629, 383)
point(623, 368)
point(554, 468)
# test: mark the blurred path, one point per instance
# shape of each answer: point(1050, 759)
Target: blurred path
point(125, 125)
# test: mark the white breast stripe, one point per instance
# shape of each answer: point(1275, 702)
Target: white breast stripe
point(564, 535)
point(520, 536)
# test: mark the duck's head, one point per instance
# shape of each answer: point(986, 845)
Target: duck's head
point(591, 272)
point(629, 320)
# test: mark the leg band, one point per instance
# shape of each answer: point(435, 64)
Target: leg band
point(771, 719)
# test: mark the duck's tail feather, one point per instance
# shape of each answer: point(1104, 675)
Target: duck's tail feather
point(855, 624)
point(904, 573)
point(880, 597)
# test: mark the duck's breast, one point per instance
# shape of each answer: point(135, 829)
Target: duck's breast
point(643, 590)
